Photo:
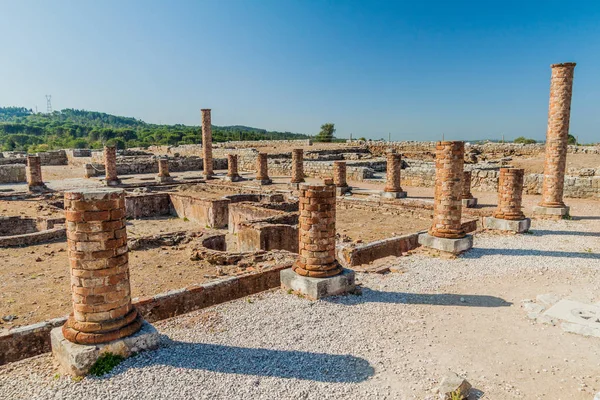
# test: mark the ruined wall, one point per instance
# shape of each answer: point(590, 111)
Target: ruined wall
point(206, 212)
point(129, 165)
point(243, 212)
point(12, 173)
point(147, 205)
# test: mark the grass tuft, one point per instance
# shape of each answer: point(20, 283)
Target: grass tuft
point(106, 363)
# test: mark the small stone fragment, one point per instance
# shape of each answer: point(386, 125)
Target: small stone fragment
point(452, 383)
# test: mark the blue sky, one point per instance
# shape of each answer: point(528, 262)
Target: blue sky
point(415, 69)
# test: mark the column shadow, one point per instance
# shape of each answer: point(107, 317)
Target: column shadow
point(481, 252)
point(544, 232)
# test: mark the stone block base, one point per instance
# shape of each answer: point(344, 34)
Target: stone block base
point(342, 190)
point(164, 179)
point(449, 245)
point(551, 212)
point(267, 181)
point(518, 226)
point(317, 288)
point(77, 359)
point(209, 177)
point(236, 178)
point(469, 203)
point(114, 182)
point(38, 188)
point(393, 195)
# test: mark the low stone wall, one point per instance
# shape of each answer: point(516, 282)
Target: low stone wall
point(212, 213)
point(273, 233)
point(32, 340)
point(54, 157)
point(148, 205)
point(29, 239)
point(129, 165)
point(12, 173)
point(244, 212)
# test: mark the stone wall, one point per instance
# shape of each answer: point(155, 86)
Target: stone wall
point(12, 173)
point(211, 213)
point(129, 165)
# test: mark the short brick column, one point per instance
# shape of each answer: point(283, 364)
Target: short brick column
point(232, 168)
point(207, 157)
point(316, 273)
point(557, 137)
point(339, 178)
point(110, 166)
point(34, 174)
point(163, 170)
point(509, 216)
point(97, 250)
point(393, 176)
point(447, 205)
point(510, 194)
point(262, 169)
point(467, 197)
point(446, 232)
point(297, 166)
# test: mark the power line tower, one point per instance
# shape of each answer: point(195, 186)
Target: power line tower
point(49, 103)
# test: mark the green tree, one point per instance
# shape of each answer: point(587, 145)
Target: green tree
point(326, 134)
point(524, 140)
point(572, 139)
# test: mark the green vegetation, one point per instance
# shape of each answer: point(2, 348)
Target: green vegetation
point(572, 140)
point(23, 130)
point(326, 134)
point(105, 363)
point(524, 140)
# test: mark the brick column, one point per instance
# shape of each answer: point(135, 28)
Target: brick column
point(163, 170)
point(510, 193)
point(262, 169)
point(447, 204)
point(297, 166)
point(34, 174)
point(232, 168)
point(466, 186)
point(393, 174)
point(110, 166)
point(97, 250)
point(557, 135)
point(339, 174)
point(207, 143)
point(317, 231)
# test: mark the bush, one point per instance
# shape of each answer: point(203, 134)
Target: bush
point(524, 140)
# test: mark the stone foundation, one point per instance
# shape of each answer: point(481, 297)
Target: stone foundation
point(517, 226)
point(455, 246)
point(318, 288)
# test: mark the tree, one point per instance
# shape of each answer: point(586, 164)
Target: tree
point(524, 140)
point(326, 134)
point(572, 140)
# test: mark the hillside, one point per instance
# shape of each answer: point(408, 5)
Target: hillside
point(21, 129)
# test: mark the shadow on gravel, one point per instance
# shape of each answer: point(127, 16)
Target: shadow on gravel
point(543, 232)
point(481, 252)
point(442, 299)
point(318, 367)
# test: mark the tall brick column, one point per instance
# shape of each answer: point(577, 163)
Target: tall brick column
point(297, 166)
point(110, 166)
point(509, 216)
point(317, 246)
point(34, 174)
point(207, 144)
point(97, 250)
point(163, 170)
point(467, 197)
point(393, 176)
point(446, 232)
point(232, 168)
point(339, 177)
point(557, 137)
point(262, 169)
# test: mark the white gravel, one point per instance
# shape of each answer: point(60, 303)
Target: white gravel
point(279, 346)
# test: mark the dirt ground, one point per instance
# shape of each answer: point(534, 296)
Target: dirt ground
point(535, 165)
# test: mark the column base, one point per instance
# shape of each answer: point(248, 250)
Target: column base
point(469, 203)
point(518, 226)
point(77, 359)
point(318, 288)
point(113, 182)
point(294, 186)
point(235, 178)
point(37, 188)
point(164, 179)
point(393, 195)
point(342, 190)
point(551, 212)
point(454, 246)
point(209, 177)
point(266, 181)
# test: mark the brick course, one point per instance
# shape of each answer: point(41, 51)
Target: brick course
point(98, 255)
point(510, 193)
point(557, 134)
point(317, 231)
point(447, 203)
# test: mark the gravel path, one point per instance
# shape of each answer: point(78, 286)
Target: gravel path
point(394, 341)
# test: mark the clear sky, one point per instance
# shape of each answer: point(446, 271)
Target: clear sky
point(415, 69)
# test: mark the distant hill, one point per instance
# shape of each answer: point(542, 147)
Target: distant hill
point(22, 129)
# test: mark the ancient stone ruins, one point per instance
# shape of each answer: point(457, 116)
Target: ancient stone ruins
point(221, 221)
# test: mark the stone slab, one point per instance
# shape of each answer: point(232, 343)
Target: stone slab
point(576, 312)
point(114, 182)
point(551, 211)
point(164, 179)
point(318, 288)
point(77, 359)
point(469, 203)
point(264, 181)
point(342, 190)
point(449, 245)
point(393, 195)
point(233, 178)
point(518, 226)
